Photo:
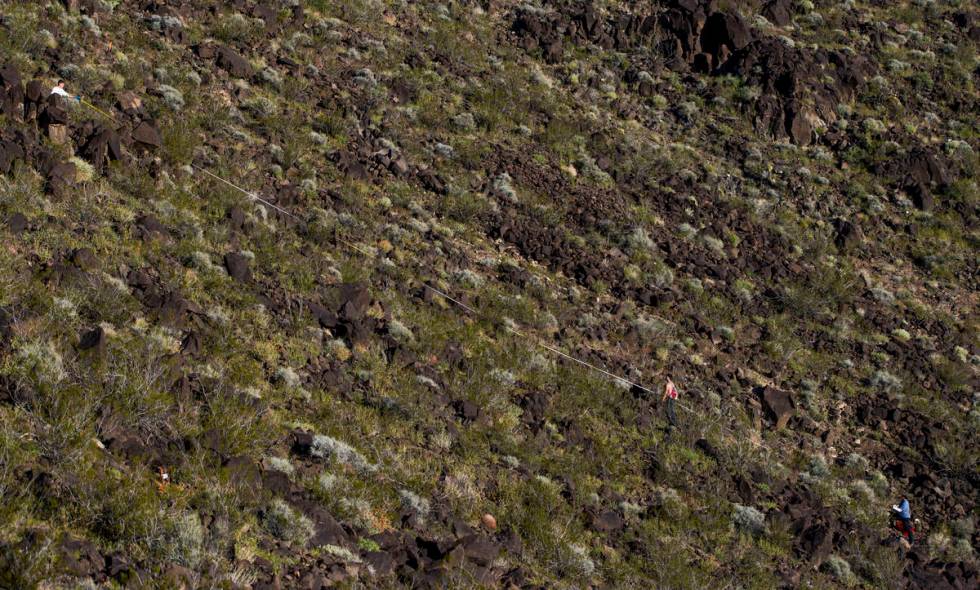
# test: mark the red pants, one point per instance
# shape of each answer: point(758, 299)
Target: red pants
point(904, 526)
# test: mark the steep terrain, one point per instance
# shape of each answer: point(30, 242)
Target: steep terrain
point(298, 295)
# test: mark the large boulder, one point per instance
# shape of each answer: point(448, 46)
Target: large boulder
point(101, 147)
point(9, 153)
point(921, 196)
point(778, 12)
point(811, 523)
point(129, 102)
point(798, 124)
point(80, 557)
point(53, 113)
point(146, 135)
point(17, 223)
point(607, 521)
point(6, 327)
point(847, 234)
point(11, 92)
point(815, 542)
point(33, 99)
point(778, 405)
point(925, 167)
point(918, 173)
point(58, 134)
point(59, 176)
point(238, 267)
point(723, 34)
point(791, 77)
point(95, 339)
point(350, 320)
point(233, 63)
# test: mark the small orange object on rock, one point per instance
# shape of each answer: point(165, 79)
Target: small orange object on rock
point(489, 521)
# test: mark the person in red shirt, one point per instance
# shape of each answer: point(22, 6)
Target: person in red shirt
point(670, 396)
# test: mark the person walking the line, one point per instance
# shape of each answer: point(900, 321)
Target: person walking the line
point(903, 512)
point(670, 396)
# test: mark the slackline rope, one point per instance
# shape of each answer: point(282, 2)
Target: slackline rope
point(442, 294)
point(251, 195)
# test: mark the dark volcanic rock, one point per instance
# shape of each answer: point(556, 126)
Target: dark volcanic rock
point(778, 12)
point(60, 176)
point(535, 406)
point(816, 542)
point(703, 445)
point(918, 173)
point(11, 92)
point(6, 327)
point(778, 405)
point(801, 86)
point(810, 522)
point(466, 410)
point(607, 521)
point(17, 223)
point(723, 34)
point(328, 532)
point(85, 259)
point(236, 218)
point(792, 77)
point(9, 153)
point(118, 566)
point(81, 557)
point(149, 227)
point(191, 345)
point(238, 267)
point(480, 549)
point(921, 197)
point(94, 339)
point(147, 135)
point(33, 99)
point(382, 562)
point(547, 32)
point(350, 321)
point(797, 124)
point(847, 235)
point(101, 147)
point(233, 63)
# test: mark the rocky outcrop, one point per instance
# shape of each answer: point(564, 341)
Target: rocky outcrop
point(847, 234)
point(791, 78)
point(724, 33)
point(919, 173)
point(347, 319)
point(548, 31)
point(11, 92)
point(696, 34)
point(811, 523)
point(778, 12)
point(10, 151)
point(102, 147)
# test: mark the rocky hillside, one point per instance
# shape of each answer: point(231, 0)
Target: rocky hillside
point(282, 296)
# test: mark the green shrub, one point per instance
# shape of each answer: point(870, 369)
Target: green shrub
point(840, 569)
point(287, 524)
point(749, 520)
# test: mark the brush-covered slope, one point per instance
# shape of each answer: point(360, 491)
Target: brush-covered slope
point(774, 202)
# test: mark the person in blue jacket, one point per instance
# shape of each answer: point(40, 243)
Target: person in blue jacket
point(903, 512)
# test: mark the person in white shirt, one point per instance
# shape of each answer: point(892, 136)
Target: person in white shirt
point(59, 89)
